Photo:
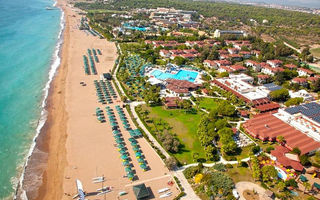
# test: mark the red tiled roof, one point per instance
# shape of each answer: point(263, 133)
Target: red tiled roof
point(279, 152)
point(223, 62)
point(299, 80)
point(172, 101)
point(268, 107)
point(252, 62)
point(313, 79)
point(237, 67)
point(291, 66)
point(268, 127)
point(306, 70)
point(275, 61)
point(263, 76)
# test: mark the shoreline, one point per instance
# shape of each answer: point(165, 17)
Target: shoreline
point(72, 133)
point(37, 153)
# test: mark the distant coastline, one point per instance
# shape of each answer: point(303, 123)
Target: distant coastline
point(311, 7)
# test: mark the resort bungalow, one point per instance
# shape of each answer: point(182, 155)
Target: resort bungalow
point(172, 102)
point(300, 81)
point(210, 64)
point(274, 63)
point(305, 72)
point(283, 157)
point(180, 87)
point(263, 78)
point(266, 69)
point(255, 65)
point(290, 66)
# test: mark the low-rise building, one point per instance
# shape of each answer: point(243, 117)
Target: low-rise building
point(263, 78)
point(290, 66)
point(300, 81)
point(274, 63)
point(305, 72)
point(302, 94)
point(255, 65)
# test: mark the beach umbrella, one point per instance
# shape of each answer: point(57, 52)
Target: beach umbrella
point(125, 163)
point(143, 166)
point(138, 154)
point(114, 124)
point(117, 137)
point(124, 157)
point(122, 151)
point(118, 141)
point(128, 169)
point(141, 160)
point(116, 131)
point(135, 149)
point(133, 142)
point(130, 175)
point(121, 146)
point(132, 139)
point(134, 145)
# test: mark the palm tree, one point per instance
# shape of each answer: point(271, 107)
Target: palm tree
point(281, 139)
point(307, 186)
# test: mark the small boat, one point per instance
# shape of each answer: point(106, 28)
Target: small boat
point(122, 193)
point(49, 8)
point(98, 178)
point(163, 190)
point(104, 188)
point(103, 192)
point(166, 195)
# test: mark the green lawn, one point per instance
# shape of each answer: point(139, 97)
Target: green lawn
point(209, 103)
point(315, 52)
point(240, 174)
point(185, 126)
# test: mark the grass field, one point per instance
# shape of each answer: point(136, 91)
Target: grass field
point(240, 174)
point(209, 103)
point(315, 52)
point(183, 124)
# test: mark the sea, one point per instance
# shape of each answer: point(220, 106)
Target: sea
point(30, 38)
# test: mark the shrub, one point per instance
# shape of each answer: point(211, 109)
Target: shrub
point(220, 167)
point(229, 166)
point(171, 163)
point(190, 172)
point(304, 159)
point(291, 183)
point(255, 149)
point(269, 149)
point(244, 164)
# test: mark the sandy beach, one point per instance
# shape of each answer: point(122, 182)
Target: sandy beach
point(78, 146)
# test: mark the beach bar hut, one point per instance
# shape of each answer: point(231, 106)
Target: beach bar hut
point(141, 191)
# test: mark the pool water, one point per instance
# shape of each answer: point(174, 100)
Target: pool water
point(126, 25)
point(181, 75)
point(281, 173)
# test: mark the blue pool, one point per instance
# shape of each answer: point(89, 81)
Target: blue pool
point(181, 75)
point(126, 25)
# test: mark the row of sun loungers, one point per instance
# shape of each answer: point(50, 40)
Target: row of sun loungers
point(105, 92)
point(133, 141)
point(124, 155)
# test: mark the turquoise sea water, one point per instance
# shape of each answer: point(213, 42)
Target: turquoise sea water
point(28, 36)
point(181, 75)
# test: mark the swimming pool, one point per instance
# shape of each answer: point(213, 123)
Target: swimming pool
point(126, 25)
point(181, 75)
point(281, 173)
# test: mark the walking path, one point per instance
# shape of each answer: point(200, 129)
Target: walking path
point(190, 194)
